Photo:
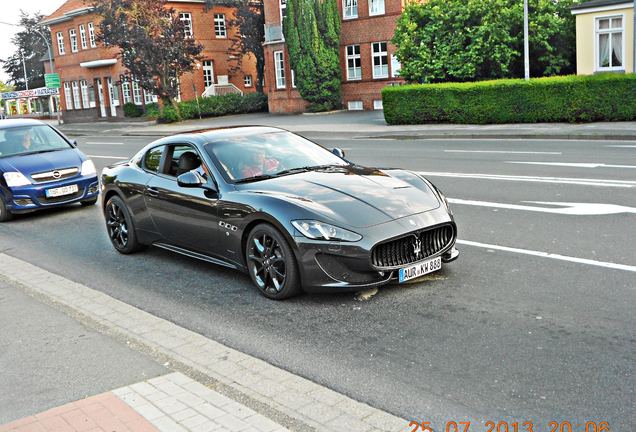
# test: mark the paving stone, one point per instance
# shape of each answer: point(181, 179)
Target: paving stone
point(195, 420)
point(232, 423)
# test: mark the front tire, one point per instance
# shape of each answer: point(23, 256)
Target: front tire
point(271, 263)
point(120, 227)
point(5, 214)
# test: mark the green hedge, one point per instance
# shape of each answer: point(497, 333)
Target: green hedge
point(214, 106)
point(605, 97)
point(132, 111)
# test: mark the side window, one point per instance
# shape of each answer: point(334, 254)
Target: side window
point(184, 158)
point(152, 159)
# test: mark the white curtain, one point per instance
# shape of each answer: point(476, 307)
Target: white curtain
point(617, 49)
point(604, 50)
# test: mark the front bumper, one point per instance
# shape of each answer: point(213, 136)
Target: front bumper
point(29, 198)
point(346, 266)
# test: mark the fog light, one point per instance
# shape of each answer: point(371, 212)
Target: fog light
point(23, 202)
point(92, 189)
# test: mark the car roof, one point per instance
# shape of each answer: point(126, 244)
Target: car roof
point(11, 123)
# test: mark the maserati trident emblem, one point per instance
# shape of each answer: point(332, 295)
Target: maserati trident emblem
point(56, 174)
point(417, 247)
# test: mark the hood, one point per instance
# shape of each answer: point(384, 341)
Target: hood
point(355, 196)
point(41, 162)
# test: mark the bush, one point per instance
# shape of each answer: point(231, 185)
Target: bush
point(215, 106)
point(152, 110)
point(556, 99)
point(169, 115)
point(132, 110)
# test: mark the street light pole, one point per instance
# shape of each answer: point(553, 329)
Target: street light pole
point(26, 77)
point(526, 43)
point(634, 38)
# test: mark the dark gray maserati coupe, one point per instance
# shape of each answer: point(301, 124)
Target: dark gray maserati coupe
point(292, 214)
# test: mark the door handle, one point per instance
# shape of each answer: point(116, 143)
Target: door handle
point(152, 192)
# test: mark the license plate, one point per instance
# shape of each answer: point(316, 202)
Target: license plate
point(61, 191)
point(420, 269)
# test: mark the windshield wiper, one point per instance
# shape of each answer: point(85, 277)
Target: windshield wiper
point(255, 178)
point(41, 151)
point(308, 168)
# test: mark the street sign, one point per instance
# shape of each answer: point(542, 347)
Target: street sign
point(52, 80)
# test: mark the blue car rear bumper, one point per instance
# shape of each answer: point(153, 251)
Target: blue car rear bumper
point(33, 197)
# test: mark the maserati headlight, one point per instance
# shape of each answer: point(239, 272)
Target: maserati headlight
point(88, 168)
point(445, 201)
point(321, 231)
point(15, 179)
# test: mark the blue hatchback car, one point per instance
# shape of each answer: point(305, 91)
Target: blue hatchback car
point(41, 168)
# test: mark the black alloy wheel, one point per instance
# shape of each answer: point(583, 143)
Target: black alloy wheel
point(120, 227)
point(271, 263)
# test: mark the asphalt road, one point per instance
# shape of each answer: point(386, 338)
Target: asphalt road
point(507, 332)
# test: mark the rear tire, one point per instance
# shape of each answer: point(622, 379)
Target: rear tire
point(5, 215)
point(271, 263)
point(89, 202)
point(120, 227)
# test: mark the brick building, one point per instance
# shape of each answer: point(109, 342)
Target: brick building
point(92, 88)
point(366, 56)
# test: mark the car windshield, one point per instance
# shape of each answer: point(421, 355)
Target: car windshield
point(257, 157)
point(30, 139)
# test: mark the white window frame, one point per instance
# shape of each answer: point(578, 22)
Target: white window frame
point(293, 78)
point(83, 40)
point(355, 105)
point(149, 97)
point(77, 102)
point(353, 57)
point(125, 91)
point(91, 35)
point(279, 67)
point(86, 102)
point(60, 44)
point(188, 29)
point(349, 9)
point(377, 104)
point(247, 81)
point(208, 73)
point(598, 31)
point(68, 96)
point(376, 7)
point(396, 66)
point(220, 26)
point(379, 54)
point(72, 35)
point(136, 91)
point(282, 6)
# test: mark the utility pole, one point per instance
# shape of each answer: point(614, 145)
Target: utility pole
point(26, 77)
point(634, 38)
point(526, 43)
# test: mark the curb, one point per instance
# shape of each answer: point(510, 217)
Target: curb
point(292, 401)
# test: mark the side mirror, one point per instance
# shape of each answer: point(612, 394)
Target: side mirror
point(338, 152)
point(190, 180)
point(74, 142)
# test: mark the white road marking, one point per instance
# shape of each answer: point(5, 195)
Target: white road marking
point(540, 254)
point(108, 157)
point(533, 179)
point(502, 152)
point(574, 165)
point(564, 208)
point(621, 146)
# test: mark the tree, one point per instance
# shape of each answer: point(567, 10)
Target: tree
point(249, 19)
point(312, 33)
point(152, 43)
point(29, 42)
point(465, 40)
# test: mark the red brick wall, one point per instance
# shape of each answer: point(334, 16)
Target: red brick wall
point(362, 31)
point(215, 49)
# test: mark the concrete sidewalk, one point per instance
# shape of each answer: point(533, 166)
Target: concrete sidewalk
point(366, 124)
point(212, 387)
